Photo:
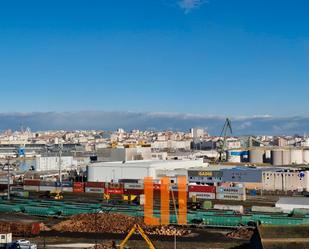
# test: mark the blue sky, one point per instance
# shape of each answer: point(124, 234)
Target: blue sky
point(221, 57)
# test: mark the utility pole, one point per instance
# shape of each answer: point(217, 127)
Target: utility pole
point(9, 177)
point(60, 147)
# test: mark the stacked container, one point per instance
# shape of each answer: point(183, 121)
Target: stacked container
point(48, 186)
point(114, 189)
point(94, 187)
point(32, 185)
point(78, 187)
point(66, 186)
point(231, 193)
point(133, 188)
point(202, 192)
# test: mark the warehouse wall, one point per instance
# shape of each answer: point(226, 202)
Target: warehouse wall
point(52, 163)
point(285, 181)
point(109, 173)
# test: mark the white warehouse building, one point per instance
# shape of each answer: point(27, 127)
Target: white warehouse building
point(114, 171)
point(43, 163)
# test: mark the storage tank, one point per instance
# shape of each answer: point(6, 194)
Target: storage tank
point(296, 156)
point(306, 156)
point(267, 156)
point(286, 157)
point(256, 156)
point(276, 156)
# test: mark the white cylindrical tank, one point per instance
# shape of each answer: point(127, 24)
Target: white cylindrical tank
point(267, 156)
point(276, 156)
point(296, 156)
point(256, 156)
point(286, 157)
point(306, 156)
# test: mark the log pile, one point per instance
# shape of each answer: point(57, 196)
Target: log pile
point(167, 231)
point(104, 223)
point(16, 228)
point(242, 233)
point(113, 223)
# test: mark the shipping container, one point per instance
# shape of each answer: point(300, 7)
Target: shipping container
point(94, 190)
point(48, 188)
point(232, 197)
point(202, 195)
point(236, 208)
point(78, 190)
point(202, 188)
point(113, 191)
point(113, 185)
point(94, 184)
point(32, 182)
point(133, 191)
point(78, 187)
point(133, 186)
point(263, 209)
point(128, 181)
point(64, 184)
point(4, 181)
point(231, 190)
point(20, 193)
point(67, 189)
point(174, 188)
point(78, 184)
point(48, 183)
point(31, 188)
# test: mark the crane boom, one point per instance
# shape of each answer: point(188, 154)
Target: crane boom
point(142, 233)
point(222, 146)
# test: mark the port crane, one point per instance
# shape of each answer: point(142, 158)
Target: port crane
point(227, 127)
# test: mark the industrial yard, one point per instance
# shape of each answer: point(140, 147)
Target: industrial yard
point(70, 199)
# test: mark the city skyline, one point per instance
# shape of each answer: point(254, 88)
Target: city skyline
point(226, 58)
point(100, 120)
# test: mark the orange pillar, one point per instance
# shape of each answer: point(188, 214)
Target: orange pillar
point(148, 206)
point(182, 200)
point(165, 200)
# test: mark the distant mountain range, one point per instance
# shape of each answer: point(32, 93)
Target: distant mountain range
point(256, 125)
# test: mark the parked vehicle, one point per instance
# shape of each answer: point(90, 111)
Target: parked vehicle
point(23, 244)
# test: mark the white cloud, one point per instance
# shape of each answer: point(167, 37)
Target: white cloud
point(152, 120)
point(189, 5)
